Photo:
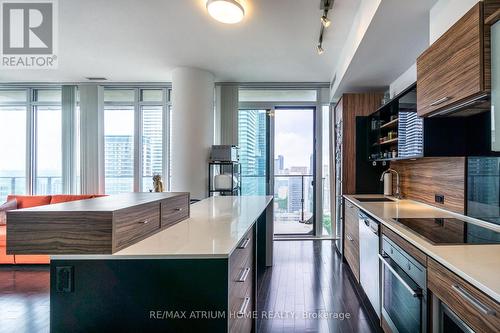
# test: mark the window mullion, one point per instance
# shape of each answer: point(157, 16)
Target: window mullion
point(137, 143)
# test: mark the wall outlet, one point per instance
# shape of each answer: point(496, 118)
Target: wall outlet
point(64, 279)
point(439, 198)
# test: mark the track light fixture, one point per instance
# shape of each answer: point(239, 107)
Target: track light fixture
point(320, 49)
point(325, 6)
point(325, 20)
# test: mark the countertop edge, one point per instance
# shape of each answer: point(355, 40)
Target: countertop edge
point(494, 295)
point(159, 256)
point(136, 257)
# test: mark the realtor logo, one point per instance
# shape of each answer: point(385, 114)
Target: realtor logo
point(29, 34)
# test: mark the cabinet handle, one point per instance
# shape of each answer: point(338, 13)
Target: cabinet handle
point(244, 244)
point(244, 275)
point(144, 222)
point(440, 101)
point(472, 300)
point(350, 238)
point(179, 209)
point(244, 306)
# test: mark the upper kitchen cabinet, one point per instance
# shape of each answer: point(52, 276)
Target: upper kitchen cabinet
point(453, 74)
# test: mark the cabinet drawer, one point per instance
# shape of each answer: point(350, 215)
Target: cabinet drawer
point(243, 250)
point(241, 280)
point(479, 311)
point(174, 210)
point(451, 69)
point(240, 320)
point(351, 254)
point(351, 237)
point(134, 224)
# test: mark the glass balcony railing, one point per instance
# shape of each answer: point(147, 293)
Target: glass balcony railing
point(293, 200)
point(17, 185)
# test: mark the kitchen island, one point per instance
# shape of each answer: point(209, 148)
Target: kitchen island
point(198, 275)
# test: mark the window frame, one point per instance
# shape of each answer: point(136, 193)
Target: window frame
point(31, 148)
point(138, 105)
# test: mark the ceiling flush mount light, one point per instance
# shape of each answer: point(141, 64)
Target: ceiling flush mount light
point(226, 11)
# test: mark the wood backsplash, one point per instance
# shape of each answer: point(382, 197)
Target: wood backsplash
point(422, 179)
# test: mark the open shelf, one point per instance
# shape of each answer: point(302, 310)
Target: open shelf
point(391, 124)
point(386, 142)
point(396, 158)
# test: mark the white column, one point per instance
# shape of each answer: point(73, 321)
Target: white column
point(91, 139)
point(192, 130)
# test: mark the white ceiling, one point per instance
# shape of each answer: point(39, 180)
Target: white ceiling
point(397, 35)
point(143, 40)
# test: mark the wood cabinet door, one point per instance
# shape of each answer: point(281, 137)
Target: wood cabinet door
point(351, 237)
point(452, 69)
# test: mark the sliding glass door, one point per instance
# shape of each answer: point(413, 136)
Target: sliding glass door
point(294, 170)
point(277, 157)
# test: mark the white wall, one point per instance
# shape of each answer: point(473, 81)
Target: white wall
point(361, 22)
point(441, 17)
point(192, 129)
point(445, 13)
point(404, 81)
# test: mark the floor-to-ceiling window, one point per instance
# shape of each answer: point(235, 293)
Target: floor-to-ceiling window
point(252, 142)
point(135, 138)
point(30, 141)
point(48, 141)
point(289, 137)
point(13, 124)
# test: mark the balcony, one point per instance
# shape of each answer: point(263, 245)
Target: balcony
point(17, 185)
point(293, 201)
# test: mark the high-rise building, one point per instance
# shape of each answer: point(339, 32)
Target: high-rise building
point(247, 142)
point(279, 164)
point(152, 137)
point(119, 162)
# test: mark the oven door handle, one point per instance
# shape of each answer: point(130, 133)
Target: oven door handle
point(413, 292)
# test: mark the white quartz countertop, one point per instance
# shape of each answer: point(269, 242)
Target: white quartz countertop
point(215, 227)
point(477, 264)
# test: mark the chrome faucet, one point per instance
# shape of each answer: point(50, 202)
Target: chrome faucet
point(398, 187)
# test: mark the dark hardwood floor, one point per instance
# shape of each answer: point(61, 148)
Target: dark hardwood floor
point(24, 298)
point(308, 277)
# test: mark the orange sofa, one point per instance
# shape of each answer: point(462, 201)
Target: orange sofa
point(27, 201)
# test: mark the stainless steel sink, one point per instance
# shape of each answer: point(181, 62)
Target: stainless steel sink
point(378, 199)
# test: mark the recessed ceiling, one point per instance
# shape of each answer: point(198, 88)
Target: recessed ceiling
point(133, 40)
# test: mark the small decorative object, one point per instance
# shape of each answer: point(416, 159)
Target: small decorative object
point(158, 183)
point(394, 154)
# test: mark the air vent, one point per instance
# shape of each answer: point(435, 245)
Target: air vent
point(96, 78)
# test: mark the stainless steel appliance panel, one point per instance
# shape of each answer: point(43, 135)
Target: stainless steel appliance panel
point(368, 260)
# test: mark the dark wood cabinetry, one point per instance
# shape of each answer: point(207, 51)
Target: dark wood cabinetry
point(349, 108)
point(351, 239)
point(478, 310)
point(242, 285)
point(454, 72)
point(95, 226)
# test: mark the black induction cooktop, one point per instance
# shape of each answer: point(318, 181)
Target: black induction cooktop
point(448, 231)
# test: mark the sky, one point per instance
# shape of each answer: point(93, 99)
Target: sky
point(294, 136)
